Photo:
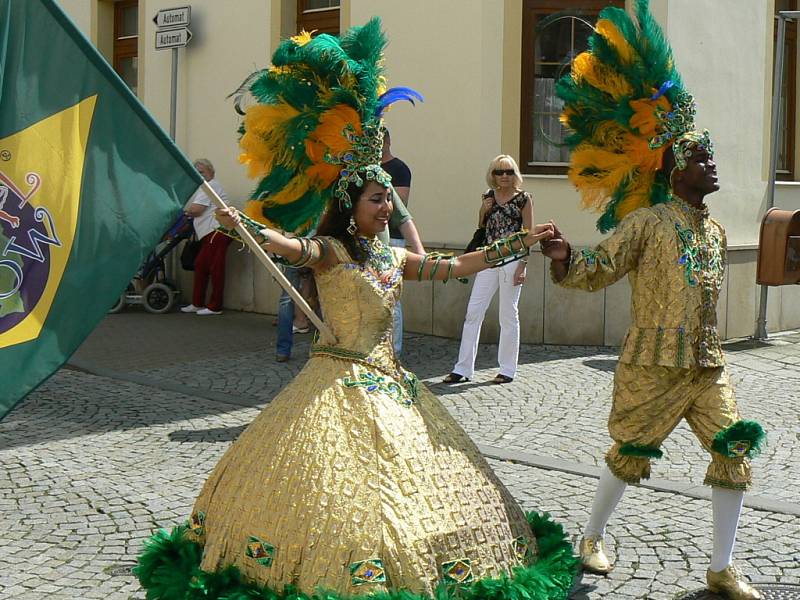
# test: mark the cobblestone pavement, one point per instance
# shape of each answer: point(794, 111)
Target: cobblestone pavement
point(119, 444)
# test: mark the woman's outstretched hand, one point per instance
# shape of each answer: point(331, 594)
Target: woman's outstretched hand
point(539, 233)
point(228, 217)
point(556, 247)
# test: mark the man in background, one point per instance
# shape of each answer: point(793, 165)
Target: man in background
point(402, 230)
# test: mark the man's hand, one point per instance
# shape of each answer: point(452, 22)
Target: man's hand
point(539, 233)
point(556, 248)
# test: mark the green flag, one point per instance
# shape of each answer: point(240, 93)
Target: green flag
point(88, 184)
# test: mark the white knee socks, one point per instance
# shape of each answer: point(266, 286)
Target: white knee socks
point(727, 506)
point(606, 497)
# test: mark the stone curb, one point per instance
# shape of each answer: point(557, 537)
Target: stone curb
point(753, 501)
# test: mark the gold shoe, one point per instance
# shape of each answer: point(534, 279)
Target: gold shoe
point(593, 556)
point(731, 583)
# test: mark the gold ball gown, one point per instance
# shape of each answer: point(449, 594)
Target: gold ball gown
point(355, 480)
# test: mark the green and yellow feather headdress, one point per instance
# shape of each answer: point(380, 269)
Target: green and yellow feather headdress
point(625, 104)
point(316, 126)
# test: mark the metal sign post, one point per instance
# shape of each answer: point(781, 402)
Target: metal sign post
point(173, 95)
point(173, 33)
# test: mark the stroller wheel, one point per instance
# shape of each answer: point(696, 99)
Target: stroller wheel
point(158, 298)
point(122, 301)
point(119, 305)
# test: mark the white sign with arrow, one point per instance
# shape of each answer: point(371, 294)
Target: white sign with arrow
point(173, 17)
point(172, 38)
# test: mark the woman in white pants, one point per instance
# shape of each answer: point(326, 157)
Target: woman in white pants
point(505, 209)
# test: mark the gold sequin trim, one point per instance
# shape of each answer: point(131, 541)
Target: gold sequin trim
point(260, 551)
point(197, 523)
point(457, 571)
point(367, 571)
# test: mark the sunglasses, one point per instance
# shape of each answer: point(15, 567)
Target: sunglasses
point(498, 172)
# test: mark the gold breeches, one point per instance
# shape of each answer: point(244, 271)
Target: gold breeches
point(649, 402)
point(338, 485)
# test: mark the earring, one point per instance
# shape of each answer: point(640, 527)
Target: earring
point(351, 229)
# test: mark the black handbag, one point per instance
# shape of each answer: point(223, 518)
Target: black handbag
point(479, 237)
point(478, 240)
point(189, 253)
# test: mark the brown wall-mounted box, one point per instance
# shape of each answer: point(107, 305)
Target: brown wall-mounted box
point(779, 248)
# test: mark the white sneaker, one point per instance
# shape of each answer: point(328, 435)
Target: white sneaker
point(207, 311)
point(191, 308)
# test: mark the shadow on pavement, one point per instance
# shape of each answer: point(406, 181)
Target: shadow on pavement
point(417, 355)
point(601, 364)
point(445, 389)
point(74, 404)
point(582, 589)
point(744, 345)
point(211, 436)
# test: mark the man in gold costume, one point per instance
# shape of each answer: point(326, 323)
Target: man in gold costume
point(638, 157)
point(671, 365)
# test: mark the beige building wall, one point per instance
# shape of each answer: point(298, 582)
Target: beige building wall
point(80, 11)
point(466, 59)
point(230, 40)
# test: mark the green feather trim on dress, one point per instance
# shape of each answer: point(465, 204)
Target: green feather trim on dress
point(169, 569)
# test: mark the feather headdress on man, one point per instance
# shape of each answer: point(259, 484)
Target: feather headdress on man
point(625, 104)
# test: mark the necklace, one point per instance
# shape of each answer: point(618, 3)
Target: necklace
point(699, 211)
point(379, 257)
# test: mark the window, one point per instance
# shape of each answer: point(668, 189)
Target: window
point(554, 32)
point(322, 15)
point(126, 41)
point(786, 127)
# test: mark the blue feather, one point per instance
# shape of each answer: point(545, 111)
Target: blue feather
point(396, 94)
point(663, 89)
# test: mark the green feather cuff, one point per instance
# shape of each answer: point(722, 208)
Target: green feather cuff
point(742, 439)
point(640, 451)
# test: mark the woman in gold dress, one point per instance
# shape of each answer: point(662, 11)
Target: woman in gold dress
point(355, 479)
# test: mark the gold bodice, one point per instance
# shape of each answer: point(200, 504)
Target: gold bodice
point(674, 256)
point(358, 303)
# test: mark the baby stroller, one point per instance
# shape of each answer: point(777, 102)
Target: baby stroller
point(150, 286)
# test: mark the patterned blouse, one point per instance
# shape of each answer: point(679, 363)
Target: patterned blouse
point(505, 219)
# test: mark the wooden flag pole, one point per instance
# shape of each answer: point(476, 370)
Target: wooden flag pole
point(326, 335)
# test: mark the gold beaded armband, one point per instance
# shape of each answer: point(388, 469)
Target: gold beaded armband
point(256, 229)
point(437, 258)
point(513, 246)
point(231, 233)
point(312, 250)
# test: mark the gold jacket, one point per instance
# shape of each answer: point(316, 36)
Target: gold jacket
point(674, 256)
